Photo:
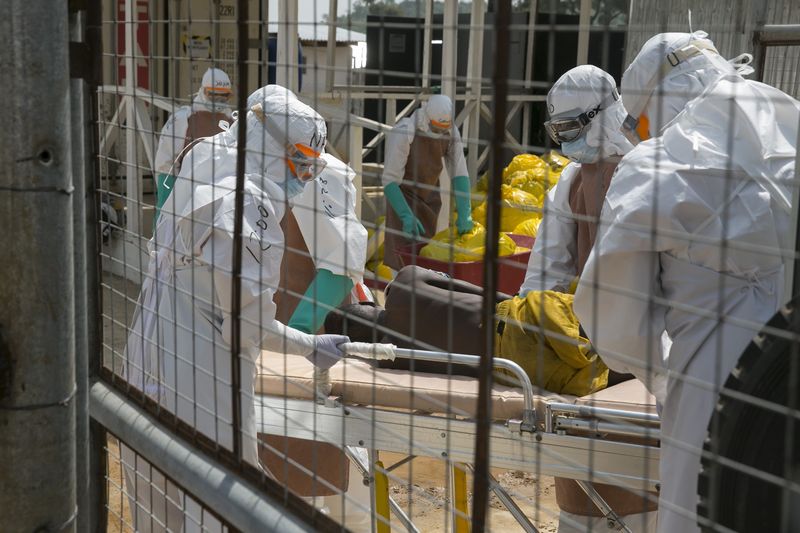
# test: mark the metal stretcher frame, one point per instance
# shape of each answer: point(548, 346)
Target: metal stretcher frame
point(526, 444)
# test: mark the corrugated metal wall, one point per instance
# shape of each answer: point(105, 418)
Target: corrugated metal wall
point(729, 24)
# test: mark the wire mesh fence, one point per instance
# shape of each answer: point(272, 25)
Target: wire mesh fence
point(409, 266)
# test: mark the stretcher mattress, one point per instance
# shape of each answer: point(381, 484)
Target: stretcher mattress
point(360, 382)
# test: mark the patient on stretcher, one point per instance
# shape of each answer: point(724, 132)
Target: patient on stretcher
point(430, 311)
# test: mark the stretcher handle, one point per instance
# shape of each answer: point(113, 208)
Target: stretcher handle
point(390, 351)
point(369, 350)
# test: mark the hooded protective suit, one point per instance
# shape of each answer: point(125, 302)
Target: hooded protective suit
point(415, 150)
point(565, 239)
point(178, 348)
point(188, 124)
point(567, 234)
point(691, 229)
point(331, 239)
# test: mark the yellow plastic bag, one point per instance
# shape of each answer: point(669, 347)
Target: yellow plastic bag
point(523, 162)
point(516, 207)
point(532, 182)
point(448, 246)
point(528, 227)
point(384, 272)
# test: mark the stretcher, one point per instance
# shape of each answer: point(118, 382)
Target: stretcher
point(359, 405)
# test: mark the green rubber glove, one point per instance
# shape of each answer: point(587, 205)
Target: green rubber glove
point(326, 291)
point(412, 227)
point(463, 207)
point(164, 184)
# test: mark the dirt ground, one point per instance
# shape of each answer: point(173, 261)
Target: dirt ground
point(418, 486)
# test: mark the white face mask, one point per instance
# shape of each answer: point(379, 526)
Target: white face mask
point(580, 151)
point(294, 186)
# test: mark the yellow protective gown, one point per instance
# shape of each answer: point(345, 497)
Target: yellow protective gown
point(541, 334)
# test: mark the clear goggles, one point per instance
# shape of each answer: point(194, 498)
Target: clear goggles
point(217, 94)
point(564, 130)
point(304, 162)
point(439, 127)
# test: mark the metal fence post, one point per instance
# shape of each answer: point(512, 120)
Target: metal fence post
point(37, 318)
point(480, 501)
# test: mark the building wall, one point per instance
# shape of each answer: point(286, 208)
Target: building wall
point(730, 24)
point(317, 67)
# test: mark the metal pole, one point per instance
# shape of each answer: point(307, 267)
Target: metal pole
point(244, 505)
point(472, 130)
point(330, 75)
point(37, 318)
point(529, 51)
point(96, 502)
point(236, 289)
point(583, 32)
point(480, 503)
point(427, 36)
point(288, 67)
point(450, 49)
point(132, 185)
point(87, 485)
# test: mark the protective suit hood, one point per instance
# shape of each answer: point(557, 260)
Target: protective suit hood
point(584, 89)
point(214, 79)
point(670, 70)
point(293, 121)
point(439, 110)
point(277, 119)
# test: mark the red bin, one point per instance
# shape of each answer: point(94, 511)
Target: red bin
point(510, 271)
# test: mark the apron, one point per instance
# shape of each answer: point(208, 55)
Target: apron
point(199, 124)
point(420, 188)
point(586, 198)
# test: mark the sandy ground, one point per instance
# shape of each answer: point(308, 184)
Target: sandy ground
point(418, 486)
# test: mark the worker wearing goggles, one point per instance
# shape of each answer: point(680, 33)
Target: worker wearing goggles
point(417, 150)
point(188, 124)
point(571, 127)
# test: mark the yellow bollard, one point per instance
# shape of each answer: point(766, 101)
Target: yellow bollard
point(458, 490)
point(381, 499)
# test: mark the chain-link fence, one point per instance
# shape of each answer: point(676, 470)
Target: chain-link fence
point(430, 265)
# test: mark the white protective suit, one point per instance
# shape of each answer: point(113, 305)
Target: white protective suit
point(173, 135)
point(398, 144)
point(337, 241)
point(693, 224)
point(325, 210)
point(553, 263)
point(178, 348)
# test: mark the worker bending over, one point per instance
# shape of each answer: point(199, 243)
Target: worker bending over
point(179, 346)
point(415, 150)
point(680, 249)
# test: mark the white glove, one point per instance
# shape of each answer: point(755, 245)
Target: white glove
point(326, 350)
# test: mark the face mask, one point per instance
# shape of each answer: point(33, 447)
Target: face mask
point(580, 152)
point(294, 187)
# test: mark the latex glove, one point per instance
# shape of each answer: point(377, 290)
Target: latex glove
point(412, 227)
point(326, 350)
point(327, 290)
point(464, 221)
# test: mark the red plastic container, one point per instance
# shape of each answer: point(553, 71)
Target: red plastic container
point(510, 272)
